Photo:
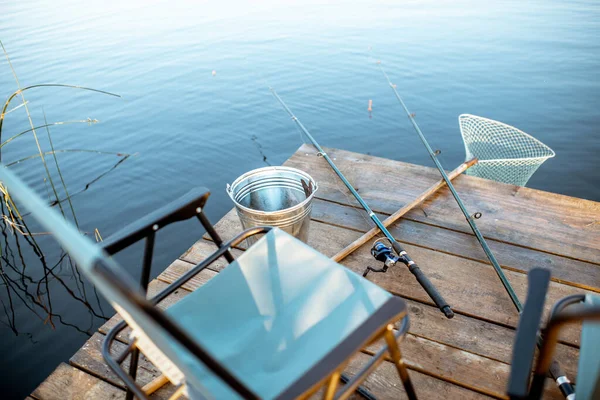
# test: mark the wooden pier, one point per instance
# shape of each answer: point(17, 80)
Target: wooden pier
point(464, 358)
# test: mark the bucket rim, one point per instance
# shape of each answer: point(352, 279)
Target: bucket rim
point(229, 188)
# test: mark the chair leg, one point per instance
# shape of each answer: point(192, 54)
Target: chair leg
point(155, 384)
point(332, 386)
point(133, 364)
point(398, 362)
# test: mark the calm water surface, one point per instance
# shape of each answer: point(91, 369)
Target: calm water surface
point(534, 65)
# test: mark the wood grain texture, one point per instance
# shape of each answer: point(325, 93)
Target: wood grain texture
point(527, 217)
point(571, 272)
point(385, 384)
point(175, 269)
point(367, 236)
point(70, 383)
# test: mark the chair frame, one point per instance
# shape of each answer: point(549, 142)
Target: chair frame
point(566, 311)
point(189, 207)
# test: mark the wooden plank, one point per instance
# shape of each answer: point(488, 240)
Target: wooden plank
point(69, 383)
point(471, 287)
point(565, 270)
point(326, 238)
point(453, 365)
point(462, 368)
point(204, 247)
point(175, 270)
point(475, 336)
point(385, 384)
point(510, 214)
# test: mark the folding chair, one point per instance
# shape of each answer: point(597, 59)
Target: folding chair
point(504, 153)
point(566, 311)
point(281, 321)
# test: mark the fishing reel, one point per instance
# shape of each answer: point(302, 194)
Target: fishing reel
point(385, 254)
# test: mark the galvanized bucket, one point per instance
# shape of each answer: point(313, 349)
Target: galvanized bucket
point(274, 196)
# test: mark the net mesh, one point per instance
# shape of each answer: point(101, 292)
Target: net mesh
point(506, 154)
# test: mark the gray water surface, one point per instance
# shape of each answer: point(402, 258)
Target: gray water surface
point(195, 109)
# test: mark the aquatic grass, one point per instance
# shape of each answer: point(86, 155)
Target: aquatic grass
point(98, 236)
point(43, 85)
point(54, 152)
point(34, 293)
point(62, 180)
point(46, 125)
point(15, 108)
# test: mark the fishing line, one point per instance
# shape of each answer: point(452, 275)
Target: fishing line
point(555, 370)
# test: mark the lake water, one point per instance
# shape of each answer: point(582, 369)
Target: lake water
point(534, 65)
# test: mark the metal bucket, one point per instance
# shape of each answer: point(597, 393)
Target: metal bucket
point(274, 196)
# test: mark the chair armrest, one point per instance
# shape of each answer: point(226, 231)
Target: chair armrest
point(183, 208)
point(526, 336)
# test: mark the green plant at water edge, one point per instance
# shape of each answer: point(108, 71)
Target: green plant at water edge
point(21, 284)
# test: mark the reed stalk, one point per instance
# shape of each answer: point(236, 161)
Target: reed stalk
point(35, 293)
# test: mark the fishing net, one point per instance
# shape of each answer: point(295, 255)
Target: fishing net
point(506, 154)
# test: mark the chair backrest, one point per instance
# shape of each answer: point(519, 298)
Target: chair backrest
point(111, 280)
point(588, 372)
point(505, 153)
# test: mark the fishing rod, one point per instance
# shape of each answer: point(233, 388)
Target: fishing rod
point(379, 250)
point(556, 371)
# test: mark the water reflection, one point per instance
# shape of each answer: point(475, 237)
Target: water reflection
point(34, 277)
point(31, 277)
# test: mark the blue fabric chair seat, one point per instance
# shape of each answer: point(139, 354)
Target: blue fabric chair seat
point(274, 313)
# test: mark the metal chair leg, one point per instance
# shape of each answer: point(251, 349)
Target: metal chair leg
point(399, 363)
point(144, 280)
point(213, 234)
point(133, 363)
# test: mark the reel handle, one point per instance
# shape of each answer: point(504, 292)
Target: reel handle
point(431, 290)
